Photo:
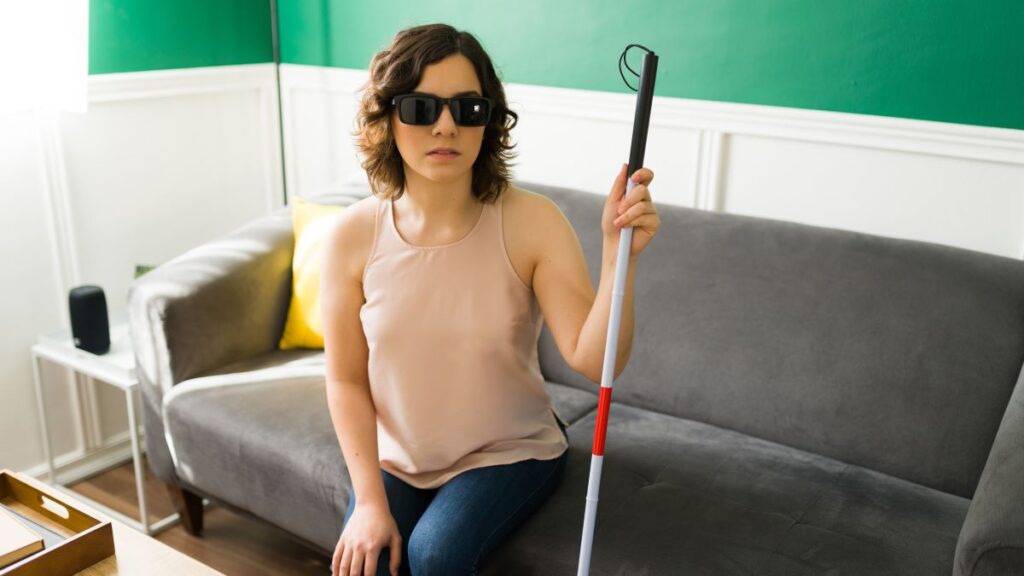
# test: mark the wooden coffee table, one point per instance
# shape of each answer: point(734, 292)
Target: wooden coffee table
point(135, 554)
point(138, 554)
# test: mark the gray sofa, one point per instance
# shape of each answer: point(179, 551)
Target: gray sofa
point(799, 400)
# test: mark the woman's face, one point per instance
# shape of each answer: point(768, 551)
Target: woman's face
point(444, 78)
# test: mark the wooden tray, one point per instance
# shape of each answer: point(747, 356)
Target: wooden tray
point(75, 539)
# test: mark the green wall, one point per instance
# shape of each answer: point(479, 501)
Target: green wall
point(946, 60)
point(136, 35)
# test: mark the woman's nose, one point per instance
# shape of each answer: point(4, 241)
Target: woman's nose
point(445, 122)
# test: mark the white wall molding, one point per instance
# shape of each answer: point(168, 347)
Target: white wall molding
point(708, 190)
point(60, 229)
point(876, 132)
point(123, 86)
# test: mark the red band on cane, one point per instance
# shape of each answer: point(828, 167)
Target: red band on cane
point(604, 402)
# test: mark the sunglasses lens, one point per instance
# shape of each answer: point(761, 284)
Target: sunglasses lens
point(472, 111)
point(424, 110)
point(418, 110)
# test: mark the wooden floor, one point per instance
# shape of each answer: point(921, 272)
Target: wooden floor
point(230, 543)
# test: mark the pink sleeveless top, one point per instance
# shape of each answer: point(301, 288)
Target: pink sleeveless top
point(452, 336)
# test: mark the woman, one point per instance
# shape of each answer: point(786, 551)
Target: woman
point(432, 296)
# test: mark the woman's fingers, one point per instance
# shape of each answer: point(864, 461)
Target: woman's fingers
point(343, 561)
point(639, 193)
point(371, 564)
point(631, 216)
point(641, 222)
point(620, 191)
point(642, 176)
point(636, 200)
point(618, 186)
point(357, 564)
point(396, 553)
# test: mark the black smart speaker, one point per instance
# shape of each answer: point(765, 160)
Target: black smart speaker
point(90, 327)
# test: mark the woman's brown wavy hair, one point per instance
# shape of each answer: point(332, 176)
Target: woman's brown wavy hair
point(397, 70)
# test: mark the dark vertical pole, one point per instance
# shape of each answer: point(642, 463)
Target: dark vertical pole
point(277, 82)
point(642, 117)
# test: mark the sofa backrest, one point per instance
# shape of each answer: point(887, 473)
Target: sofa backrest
point(895, 355)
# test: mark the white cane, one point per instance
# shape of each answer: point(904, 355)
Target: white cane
point(641, 122)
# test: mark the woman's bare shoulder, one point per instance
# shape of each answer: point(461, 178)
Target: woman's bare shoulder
point(530, 218)
point(525, 204)
point(532, 211)
point(355, 228)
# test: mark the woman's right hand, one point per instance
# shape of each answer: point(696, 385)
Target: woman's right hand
point(369, 530)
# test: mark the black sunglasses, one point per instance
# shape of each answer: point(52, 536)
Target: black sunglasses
point(425, 109)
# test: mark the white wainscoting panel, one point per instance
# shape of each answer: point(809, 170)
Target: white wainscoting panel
point(319, 106)
point(973, 204)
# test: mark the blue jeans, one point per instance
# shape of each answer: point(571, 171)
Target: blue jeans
point(449, 529)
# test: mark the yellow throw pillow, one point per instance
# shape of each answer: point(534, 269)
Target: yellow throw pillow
point(304, 327)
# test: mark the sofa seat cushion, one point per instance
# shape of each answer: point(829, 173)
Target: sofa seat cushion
point(258, 435)
point(683, 497)
point(262, 440)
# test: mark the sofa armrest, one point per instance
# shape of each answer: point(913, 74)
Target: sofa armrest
point(992, 538)
point(220, 302)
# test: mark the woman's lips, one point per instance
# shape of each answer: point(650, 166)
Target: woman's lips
point(445, 155)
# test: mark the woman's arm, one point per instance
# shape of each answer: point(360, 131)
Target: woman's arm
point(355, 423)
point(346, 354)
point(589, 357)
point(578, 319)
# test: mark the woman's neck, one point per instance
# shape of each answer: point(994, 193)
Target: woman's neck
point(439, 205)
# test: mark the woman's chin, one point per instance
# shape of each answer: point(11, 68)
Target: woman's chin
point(445, 173)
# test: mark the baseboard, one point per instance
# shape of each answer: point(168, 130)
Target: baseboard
point(77, 465)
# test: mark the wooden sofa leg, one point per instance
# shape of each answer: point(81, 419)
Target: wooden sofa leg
point(189, 507)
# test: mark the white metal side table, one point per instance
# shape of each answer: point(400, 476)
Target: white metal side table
point(116, 368)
